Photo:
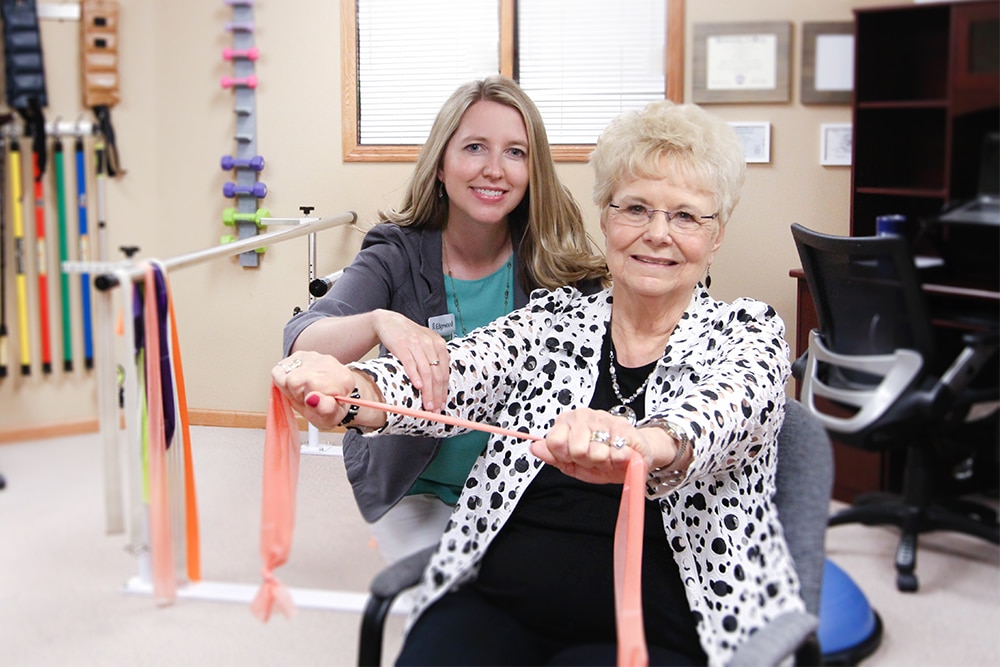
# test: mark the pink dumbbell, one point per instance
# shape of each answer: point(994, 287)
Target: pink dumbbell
point(258, 190)
point(229, 162)
point(248, 54)
point(246, 81)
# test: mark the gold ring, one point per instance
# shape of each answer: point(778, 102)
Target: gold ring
point(600, 437)
point(436, 362)
point(290, 366)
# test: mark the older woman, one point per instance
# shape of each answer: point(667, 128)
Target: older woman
point(523, 573)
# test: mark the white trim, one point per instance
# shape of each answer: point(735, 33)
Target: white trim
point(63, 11)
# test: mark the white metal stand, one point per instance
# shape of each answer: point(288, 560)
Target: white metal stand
point(107, 276)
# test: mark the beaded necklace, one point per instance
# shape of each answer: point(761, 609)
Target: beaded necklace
point(454, 292)
point(623, 409)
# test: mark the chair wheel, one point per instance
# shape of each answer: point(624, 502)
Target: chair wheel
point(907, 582)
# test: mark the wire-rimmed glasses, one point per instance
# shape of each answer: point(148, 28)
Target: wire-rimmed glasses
point(637, 215)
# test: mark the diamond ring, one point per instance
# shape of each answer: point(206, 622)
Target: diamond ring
point(291, 365)
point(600, 437)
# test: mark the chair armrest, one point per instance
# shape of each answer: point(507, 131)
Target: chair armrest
point(384, 588)
point(776, 643)
point(980, 347)
point(404, 573)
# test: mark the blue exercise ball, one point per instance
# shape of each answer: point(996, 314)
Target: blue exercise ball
point(848, 627)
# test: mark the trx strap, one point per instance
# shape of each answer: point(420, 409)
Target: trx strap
point(59, 167)
point(24, 71)
point(100, 165)
point(99, 43)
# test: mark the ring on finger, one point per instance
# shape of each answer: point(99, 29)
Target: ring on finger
point(436, 362)
point(600, 437)
point(290, 366)
point(619, 442)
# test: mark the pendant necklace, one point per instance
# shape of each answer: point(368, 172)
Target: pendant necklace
point(454, 292)
point(623, 409)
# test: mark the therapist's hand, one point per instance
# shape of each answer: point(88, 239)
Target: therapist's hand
point(423, 353)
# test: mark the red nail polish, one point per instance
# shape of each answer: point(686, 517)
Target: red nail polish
point(312, 400)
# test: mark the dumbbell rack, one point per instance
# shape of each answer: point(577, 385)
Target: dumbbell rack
point(246, 164)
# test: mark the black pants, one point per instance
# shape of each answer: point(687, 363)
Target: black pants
point(463, 628)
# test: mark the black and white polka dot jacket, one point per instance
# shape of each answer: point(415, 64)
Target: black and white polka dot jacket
point(722, 378)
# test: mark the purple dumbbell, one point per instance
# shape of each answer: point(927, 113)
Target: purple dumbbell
point(258, 190)
point(229, 162)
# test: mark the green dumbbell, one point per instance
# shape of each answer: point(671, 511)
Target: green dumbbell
point(229, 238)
point(231, 217)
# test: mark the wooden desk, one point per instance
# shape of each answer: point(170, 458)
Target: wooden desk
point(956, 309)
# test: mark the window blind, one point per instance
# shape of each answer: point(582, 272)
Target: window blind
point(413, 55)
point(583, 62)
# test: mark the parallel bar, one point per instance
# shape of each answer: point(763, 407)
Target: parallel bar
point(106, 281)
point(320, 286)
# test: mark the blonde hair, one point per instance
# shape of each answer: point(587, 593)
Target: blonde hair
point(699, 146)
point(554, 248)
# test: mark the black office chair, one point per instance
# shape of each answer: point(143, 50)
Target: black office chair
point(874, 376)
point(804, 481)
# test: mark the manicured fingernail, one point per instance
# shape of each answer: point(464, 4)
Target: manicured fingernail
point(312, 400)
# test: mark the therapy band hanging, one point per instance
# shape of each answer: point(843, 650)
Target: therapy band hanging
point(178, 501)
point(281, 466)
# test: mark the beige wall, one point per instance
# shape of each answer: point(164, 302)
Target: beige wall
point(174, 122)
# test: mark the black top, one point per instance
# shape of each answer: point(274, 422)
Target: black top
point(552, 565)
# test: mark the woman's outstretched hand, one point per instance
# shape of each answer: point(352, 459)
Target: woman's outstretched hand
point(592, 446)
point(310, 381)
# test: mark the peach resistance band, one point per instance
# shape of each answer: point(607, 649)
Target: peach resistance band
point(281, 464)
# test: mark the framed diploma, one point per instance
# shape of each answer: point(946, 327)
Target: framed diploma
point(742, 62)
point(827, 63)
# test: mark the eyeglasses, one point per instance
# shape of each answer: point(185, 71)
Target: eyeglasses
point(637, 215)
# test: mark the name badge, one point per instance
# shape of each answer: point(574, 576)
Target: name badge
point(443, 325)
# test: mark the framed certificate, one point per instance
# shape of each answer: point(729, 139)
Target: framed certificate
point(827, 63)
point(741, 62)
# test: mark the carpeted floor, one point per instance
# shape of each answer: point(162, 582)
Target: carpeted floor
point(66, 597)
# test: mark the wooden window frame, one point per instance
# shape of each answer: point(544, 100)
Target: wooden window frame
point(353, 151)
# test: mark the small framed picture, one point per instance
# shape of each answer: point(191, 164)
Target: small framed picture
point(835, 144)
point(756, 140)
